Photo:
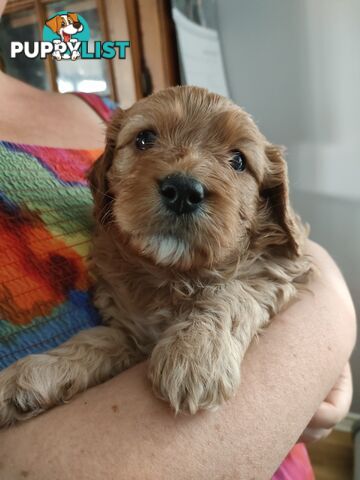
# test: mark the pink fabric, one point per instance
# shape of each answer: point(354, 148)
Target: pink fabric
point(102, 106)
point(296, 465)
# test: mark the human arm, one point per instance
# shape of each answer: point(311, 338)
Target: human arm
point(119, 430)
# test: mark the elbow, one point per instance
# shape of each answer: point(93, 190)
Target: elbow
point(341, 311)
point(346, 322)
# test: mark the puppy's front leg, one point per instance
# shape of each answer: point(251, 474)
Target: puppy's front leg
point(39, 382)
point(196, 364)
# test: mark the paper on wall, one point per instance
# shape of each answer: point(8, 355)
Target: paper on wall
point(200, 54)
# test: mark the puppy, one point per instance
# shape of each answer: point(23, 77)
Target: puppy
point(196, 248)
point(65, 26)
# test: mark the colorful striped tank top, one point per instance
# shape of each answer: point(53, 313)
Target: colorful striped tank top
point(45, 224)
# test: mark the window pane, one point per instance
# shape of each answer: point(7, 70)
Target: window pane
point(22, 26)
point(82, 75)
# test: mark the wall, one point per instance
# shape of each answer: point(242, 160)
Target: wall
point(296, 67)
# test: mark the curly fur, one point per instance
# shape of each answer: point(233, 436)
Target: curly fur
point(189, 292)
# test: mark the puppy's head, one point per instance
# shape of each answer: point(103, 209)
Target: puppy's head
point(67, 24)
point(188, 181)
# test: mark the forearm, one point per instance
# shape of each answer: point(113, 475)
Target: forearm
point(120, 430)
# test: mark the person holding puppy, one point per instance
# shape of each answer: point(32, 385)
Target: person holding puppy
point(119, 429)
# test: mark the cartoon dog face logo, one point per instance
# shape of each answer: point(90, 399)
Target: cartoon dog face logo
point(65, 26)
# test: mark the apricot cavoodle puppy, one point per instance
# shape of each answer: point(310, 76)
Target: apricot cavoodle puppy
point(196, 248)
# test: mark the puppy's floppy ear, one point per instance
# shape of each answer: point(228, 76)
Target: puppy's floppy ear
point(54, 23)
point(73, 17)
point(99, 186)
point(97, 176)
point(276, 191)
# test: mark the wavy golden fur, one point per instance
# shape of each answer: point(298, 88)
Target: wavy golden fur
point(188, 291)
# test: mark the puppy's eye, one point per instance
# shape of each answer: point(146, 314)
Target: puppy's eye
point(145, 139)
point(238, 160)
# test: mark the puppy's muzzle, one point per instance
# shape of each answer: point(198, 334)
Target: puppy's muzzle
point(181, 194)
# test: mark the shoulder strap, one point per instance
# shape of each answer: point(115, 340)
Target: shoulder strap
point(102, 106)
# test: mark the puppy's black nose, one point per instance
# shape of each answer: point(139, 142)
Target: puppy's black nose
point(181, 194)
point(76, 24)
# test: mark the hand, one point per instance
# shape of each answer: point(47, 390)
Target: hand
point(332, 410)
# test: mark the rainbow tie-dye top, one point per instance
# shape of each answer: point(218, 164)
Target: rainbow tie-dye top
point(45, 225)
point(45, 229)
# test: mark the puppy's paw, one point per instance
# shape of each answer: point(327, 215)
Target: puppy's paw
point(192, 378)
point(75, 54)
point(57, 55)
point(29, 387)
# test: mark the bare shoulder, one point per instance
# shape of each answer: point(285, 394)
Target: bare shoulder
point(47, 118)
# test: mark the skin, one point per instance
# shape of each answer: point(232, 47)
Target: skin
point(84, 436)
point(59, 118)
point(332, 410)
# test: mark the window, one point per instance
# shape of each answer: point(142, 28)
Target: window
point(151, 61)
